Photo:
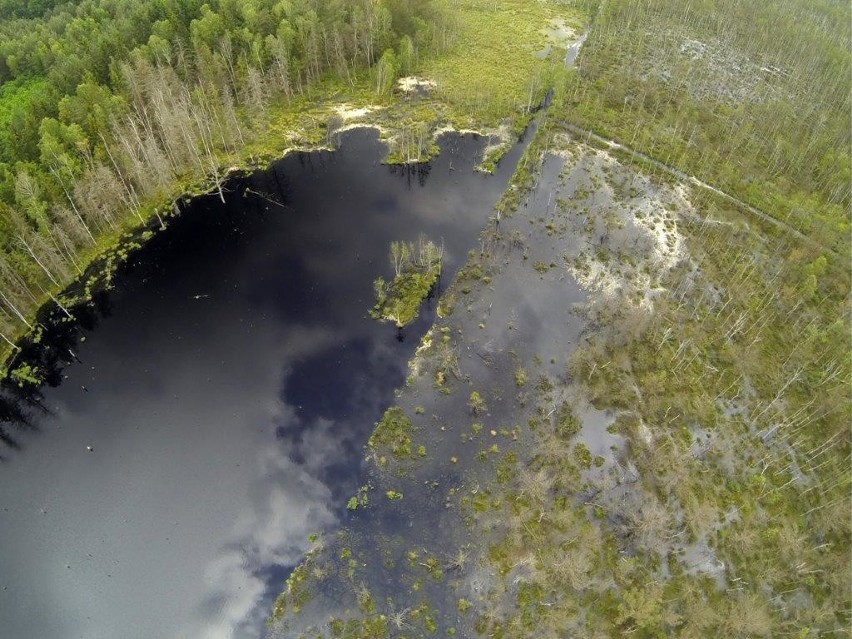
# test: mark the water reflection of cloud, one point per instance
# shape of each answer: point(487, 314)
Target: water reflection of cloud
point(178, 394)
point(285, 504)
point(298, 481)
point(267, 509)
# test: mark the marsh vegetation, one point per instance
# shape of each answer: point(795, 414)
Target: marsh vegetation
point(417, 269)
point(631, 414)
point(660, 447)
point(750, 97)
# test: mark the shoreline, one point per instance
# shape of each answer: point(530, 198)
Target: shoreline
point(78, 294)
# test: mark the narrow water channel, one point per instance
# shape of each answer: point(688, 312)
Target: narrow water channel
point(217, 413)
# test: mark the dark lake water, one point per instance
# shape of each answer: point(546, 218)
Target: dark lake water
point(226, 392)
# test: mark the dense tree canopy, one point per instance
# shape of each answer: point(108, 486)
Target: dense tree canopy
point(106, 104)
point(27, 8)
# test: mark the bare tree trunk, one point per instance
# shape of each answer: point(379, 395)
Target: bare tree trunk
point(32, 254)
point(15, 310)
point(73, 205)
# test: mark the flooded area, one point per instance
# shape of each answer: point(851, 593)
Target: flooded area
point(503, 444)
point(418, 552)
point(560, 35)
point(217, 410)
point(574, 50)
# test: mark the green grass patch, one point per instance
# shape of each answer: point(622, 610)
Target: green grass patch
point(491, 69)
point(417, 267)
point(393, 431)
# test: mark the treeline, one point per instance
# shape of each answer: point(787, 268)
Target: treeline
point(109, 105)
point(26, 8)
point(752, 97)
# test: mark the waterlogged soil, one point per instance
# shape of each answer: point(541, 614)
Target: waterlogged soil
point(427, 546)
point(528, 481)
point(213, 407)
point(414, 556)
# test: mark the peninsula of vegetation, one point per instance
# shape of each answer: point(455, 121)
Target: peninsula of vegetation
point(631, 416)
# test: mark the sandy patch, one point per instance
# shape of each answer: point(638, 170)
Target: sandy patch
point(632, 224)
point(348, 112)
point(498, 140)
point(413, 84)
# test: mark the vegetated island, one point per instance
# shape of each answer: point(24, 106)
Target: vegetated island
point(631, 417)
point(417, 269)
point(715, 502)
point(113, 113)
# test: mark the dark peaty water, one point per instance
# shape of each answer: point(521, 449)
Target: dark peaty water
point(226, 397)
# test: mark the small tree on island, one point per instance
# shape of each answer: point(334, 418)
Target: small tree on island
point(417, 267)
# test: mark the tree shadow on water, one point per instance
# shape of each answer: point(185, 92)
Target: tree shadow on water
point(39, 362)
point(15, 419)
point(418, 171)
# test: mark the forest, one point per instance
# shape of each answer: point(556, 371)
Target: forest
point(714, 499)
point(700, 200)
point(110, 109)
point(752, 97)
